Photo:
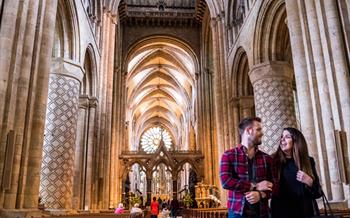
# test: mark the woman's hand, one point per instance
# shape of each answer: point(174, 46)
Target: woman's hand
point(304, 178)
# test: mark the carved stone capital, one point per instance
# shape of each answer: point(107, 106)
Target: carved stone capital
point(68, 68)
point(271, 70)
point(93, 102)
point(83, 101)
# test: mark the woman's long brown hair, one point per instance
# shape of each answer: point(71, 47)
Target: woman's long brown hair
point(300, 153)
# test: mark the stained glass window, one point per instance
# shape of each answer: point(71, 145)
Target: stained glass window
point(151, 139)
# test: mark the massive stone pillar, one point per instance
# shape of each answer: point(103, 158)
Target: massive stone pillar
point(338, 64)
point(302, 79)
point(42, 59)
point(326, 100)
point(26, 40)
point(273, 94)
point(219, 102)
point(60, 135)
point(339, 60)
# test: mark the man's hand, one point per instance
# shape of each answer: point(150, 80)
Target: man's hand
point(304, 178)
point(252, 197)
point(264, 186)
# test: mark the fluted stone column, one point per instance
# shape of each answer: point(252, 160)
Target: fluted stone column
point(304, 91)
point(324, 89)
point(93, 101)
point(60, 135)
point(78, 184)
point(43, 52)
point(84, 153)
point(339, 65)
point(273, 94)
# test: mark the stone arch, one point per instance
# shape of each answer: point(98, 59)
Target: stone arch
point(241, 91)
point(89, 84)
point(141, 45)
point(130, 164)
point(66, 41)
point(271, 33)
point(191, 162)
point(240, 82)
point(235, 13)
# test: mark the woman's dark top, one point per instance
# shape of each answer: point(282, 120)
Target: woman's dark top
point(294, 199)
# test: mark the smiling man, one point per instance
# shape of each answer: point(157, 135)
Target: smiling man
point(246, 172)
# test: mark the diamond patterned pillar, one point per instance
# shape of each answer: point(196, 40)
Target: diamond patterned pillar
point(60, 134)
point(273, 95)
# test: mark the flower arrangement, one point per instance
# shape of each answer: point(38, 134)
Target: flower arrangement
point(187, 200)
point(134, 199)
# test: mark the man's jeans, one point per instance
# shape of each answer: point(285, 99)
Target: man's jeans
point(231, 214)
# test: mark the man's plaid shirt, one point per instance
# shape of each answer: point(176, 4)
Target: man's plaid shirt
point(234, 177)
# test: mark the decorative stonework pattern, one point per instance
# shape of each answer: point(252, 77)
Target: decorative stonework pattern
point(58, 150)
point(275, 106)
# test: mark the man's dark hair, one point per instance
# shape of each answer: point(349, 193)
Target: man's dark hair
point(247, 122)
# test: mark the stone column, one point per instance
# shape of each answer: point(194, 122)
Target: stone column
point(19, 99)
point(338, 63)
point(43, 52)
point(79, 166)
point(90, 152)
point(302, 79)
point(273, 93)
point(60, 135)
point(323, 88)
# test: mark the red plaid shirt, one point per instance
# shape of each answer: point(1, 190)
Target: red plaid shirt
point(234, 177)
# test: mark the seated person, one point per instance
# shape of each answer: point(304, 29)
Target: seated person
point(119, 209)
point(136, 211)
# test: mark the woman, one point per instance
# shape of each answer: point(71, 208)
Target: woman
point(154, 208)
point(296, 182)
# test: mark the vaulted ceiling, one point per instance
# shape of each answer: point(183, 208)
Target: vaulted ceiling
point(160, 88)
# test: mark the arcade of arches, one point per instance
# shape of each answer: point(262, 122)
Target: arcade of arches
point(102, 98)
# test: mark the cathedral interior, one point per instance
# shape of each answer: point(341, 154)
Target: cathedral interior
point(105, 100)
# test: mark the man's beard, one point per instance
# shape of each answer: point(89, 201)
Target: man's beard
point(257, 142)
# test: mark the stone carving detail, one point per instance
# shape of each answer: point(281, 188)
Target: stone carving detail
point(275, 106)
point(58, 150)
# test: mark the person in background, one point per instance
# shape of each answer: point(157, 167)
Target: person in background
point(165, 210)
point(246, 172)
point(136, 211)
point(154, 208)
point(174, 207)
point(296, 181)
point(119, 209)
